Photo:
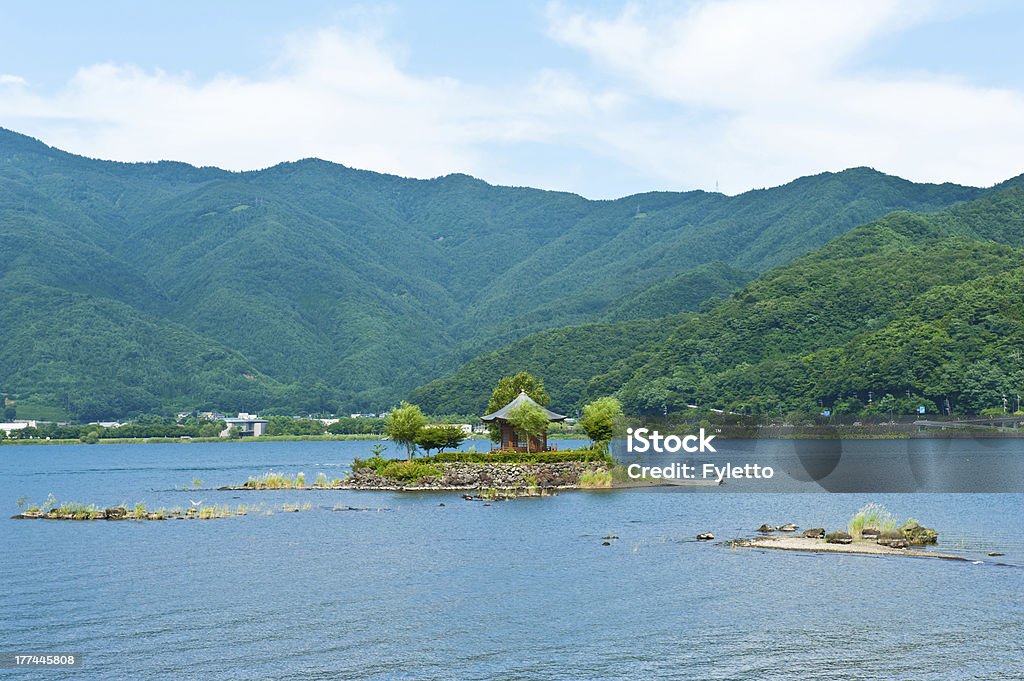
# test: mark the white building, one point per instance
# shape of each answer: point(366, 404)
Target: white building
point(249, 425)
point(18, 425)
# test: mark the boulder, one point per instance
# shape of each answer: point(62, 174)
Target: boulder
point(766, 528)
point(892, 538)
point(870, 533)
point(788, 527)
point(839, 537)
point(919, 536)
point(996, 553)
point(116, 513)
point(815, 533)
point(705, 536)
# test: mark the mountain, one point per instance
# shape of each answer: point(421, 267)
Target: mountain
point(310, 286)
point(927, 307)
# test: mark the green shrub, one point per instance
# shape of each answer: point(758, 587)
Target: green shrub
point(585, 455)
point(376, 462)
point(409, 470)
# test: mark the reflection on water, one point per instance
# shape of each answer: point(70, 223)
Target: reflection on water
point(520, 589)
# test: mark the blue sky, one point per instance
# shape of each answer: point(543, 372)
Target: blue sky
point(600, 98)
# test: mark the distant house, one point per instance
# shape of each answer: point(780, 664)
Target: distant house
point(510, 439)
point(249, 425)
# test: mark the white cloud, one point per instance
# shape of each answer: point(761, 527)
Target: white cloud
point(333, 95)
point(762, 92)
point(744, 92)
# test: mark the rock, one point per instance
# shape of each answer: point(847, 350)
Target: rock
point(815, 533)
point(154, 516)
point(870, 533)
point(996, 553)
point(788, 527)
point(705, 536)
point(116, 513)
point(839, 537)
point(891, 538)
point(441, 504)
point(611, 536)
point(919, 536)
point(606, 543)
point(766, 528)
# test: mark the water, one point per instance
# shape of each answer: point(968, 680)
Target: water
point(515, 590)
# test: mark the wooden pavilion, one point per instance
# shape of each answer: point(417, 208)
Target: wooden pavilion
point(512, 440)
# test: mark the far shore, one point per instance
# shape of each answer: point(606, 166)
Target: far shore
point(368, 437)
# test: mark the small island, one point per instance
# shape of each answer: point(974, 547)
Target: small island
point(871, 531)
point(521, 463)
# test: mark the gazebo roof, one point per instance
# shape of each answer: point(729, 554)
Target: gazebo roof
point(522, 398)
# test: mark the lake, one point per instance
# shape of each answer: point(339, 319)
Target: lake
point(427, 585)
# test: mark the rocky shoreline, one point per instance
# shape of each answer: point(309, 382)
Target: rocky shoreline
point(465, 477)
point(822, 546)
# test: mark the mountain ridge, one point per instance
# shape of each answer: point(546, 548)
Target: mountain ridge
point(347, 288)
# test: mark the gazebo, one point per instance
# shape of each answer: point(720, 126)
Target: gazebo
point(512, 440)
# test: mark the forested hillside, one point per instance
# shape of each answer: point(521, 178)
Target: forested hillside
point(915, 309)
point(310, 286)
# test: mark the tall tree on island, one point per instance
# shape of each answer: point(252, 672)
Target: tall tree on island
point(508, 389)
point(529, 420)
point(403, 424)
point(440, 436)
point(598, 421)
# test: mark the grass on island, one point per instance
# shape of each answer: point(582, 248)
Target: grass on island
point(871, 516)
point(272, 480)
point(596, 479)
point(52, 510)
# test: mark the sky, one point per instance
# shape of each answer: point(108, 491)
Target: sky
point(604, 99)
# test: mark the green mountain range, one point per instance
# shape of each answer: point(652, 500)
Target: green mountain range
point(309, 286)
point(920, 309)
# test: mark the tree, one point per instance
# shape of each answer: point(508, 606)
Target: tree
point(599, 419)
point(454, 436)
point(430, 437)
point(10, 413)
point(508, 389)
point(529, 420)
point(441, 436)
point(403, 424)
